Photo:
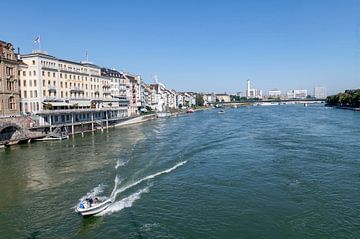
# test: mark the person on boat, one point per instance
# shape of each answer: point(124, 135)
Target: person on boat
point(96, 200)
point(89, 201)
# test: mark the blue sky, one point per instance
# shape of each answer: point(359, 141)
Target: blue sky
point(209, 46)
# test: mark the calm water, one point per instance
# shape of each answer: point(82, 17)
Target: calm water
point(253, 172)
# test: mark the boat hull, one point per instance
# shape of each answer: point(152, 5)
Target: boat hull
point(94, 209)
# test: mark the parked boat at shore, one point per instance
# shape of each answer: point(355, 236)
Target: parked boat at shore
point(57, 134)
point(266, 103)
point(190, 110)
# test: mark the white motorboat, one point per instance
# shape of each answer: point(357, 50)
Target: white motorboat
point(50, 138)
point(57, 134)
point(88, 206)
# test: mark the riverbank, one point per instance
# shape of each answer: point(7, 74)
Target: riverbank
point(91, 126)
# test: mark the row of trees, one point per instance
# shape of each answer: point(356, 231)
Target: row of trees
point(350, 98)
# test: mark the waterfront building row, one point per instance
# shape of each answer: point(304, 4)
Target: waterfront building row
point(55, 91)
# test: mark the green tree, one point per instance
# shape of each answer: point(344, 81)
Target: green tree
point(199, 100)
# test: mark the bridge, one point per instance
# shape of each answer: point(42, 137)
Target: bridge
point(252, 101)
point(15, 129)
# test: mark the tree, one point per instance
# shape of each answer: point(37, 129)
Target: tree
point(199, 100)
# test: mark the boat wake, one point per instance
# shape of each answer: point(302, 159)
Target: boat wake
point(123, 203)
point(120, 190)
point(129, 200)
point(120, 163)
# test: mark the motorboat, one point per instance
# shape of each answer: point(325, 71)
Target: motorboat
point(57, 134)
point(90, 206)
point(51, 137)
point(221, 111)
point(190, 110)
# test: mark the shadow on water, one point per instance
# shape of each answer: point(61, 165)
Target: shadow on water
point(89, 223)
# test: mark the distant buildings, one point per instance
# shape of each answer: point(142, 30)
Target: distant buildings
point(296, 94)
point(320, 92)
point(10, 67)
point(252, 93)
point(222, 98)
point(274, 93)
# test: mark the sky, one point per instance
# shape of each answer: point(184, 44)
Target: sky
point(203, 46)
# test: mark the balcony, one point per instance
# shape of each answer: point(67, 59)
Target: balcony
point(52, 89)
point(77, 89)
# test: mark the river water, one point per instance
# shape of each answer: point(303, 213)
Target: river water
point(252, 172)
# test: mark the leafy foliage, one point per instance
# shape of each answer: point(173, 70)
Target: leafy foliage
point(350, 98)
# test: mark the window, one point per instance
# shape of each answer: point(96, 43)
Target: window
point(61, 84)
point(48, 73)
point(65, 76)
point(35, 93)
point(43, 82)
point(54, 83)
point(33, 62)
point(25, 94)
point(43, 73)
point(53, 74)
point(24, 83)
point(65, 84)
point(31, 94)
point(35, 83)
point(24, 73)
point(12, 104)
point(60, 75)
point(29, 73)
point(44, 92)
point(34, 73)
point(30, 83)
point(62, 94)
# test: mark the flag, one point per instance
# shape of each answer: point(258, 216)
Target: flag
point(37, 40)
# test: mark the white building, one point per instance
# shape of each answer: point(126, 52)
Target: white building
point(274, 93)
point(296, 94)
point(252, 93)
point(62, 92)
point(320, 92)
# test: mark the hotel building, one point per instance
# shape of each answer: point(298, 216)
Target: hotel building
point(61, 92)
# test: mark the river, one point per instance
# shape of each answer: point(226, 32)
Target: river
point(252, 172)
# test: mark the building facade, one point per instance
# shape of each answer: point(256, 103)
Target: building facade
point(63, 92)
point(296, 94)
point(274, 93)
point(320, 92)
point(10, 67)
point(252, 93)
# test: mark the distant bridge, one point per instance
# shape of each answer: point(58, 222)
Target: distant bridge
point(251, 101)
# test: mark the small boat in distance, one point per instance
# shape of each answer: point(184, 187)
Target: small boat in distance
point(190, 110)
point(221, 111)
point(91, 206)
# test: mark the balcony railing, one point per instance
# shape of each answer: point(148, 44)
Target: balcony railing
point(77, 89)
point(52, 89)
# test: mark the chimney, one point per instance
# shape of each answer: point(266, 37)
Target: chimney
point(18, 53)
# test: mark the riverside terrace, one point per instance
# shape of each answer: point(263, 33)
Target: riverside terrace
point(80, 120)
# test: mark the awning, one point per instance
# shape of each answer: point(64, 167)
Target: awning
point(80, 103)
point(57, 104)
